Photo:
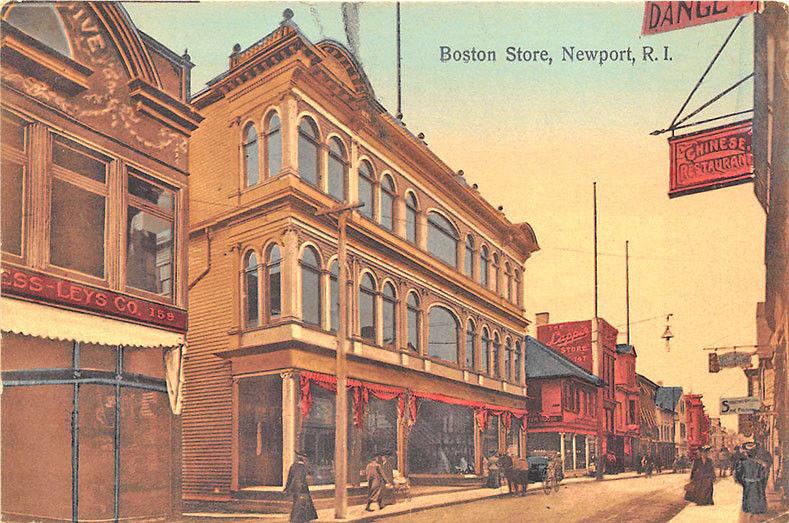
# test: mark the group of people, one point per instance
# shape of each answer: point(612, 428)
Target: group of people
point(750, 465)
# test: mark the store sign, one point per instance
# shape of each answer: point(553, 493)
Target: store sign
point(573, 339)
point(732, 360)
point(743, 405)
point(660, 17)
point(710, 159)
point(535, 419)
point(51, 290)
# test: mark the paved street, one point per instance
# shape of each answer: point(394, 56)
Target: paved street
point(654, 499)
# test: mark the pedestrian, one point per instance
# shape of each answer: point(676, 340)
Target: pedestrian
point(751, 473)
point(702, 476)
point(494, 478)
point(376, 479)
point(646, 465)
point(766, 459)
point(724, 460)
point(303, 509)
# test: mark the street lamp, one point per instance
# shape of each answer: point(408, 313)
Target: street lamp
point(341, 404)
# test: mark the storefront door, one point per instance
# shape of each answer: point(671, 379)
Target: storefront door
point(260, 431)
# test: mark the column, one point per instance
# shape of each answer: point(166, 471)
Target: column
point(575, 463)
point(561, 446)
point(290, 134)
point(289, 421)
point(586, 450)
point(353, 172)
point(291, 308)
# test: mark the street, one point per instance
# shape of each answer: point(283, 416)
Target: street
point(640, 499)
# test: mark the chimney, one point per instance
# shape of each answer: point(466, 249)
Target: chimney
point(542, 318)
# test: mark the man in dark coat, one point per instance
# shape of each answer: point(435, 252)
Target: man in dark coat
point(376, 479)
point(303, 508)
point(751, 474)
point(702, 476)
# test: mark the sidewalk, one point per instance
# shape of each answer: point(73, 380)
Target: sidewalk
point(727, 496)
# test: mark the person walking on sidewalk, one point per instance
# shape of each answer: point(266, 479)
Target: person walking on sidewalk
point(303, 509)
point(702, 476)
point(375, 483)
point(750, 474)
point(724, 461)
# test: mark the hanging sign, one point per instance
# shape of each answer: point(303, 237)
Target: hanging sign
point(710, 159)
point(660, 17)
point(744, 405)
point(730, 360)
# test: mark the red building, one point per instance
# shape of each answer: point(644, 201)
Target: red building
point(697, 422)
point(626, 412)
point(562, 406)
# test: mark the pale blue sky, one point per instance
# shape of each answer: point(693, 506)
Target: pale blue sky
point(535, 137)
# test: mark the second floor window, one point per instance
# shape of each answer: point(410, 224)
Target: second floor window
point(442, 239)
point(251, 286)
point(310, 287)
point(442, 335)
point(250, 149)
point(367, 323)
point(274, 282)
point(366, 192)
point(273, 145)
point(309, 152)
point(338, 169)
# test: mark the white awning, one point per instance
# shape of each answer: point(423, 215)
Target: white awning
point(33, 319)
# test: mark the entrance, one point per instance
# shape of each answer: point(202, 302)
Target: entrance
point(260, 431)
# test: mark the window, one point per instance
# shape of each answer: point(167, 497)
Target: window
point(150, 224)
point(390, 306)
point(251, 311)
point(468, 264)
point(250, 148)
point(496, 272)
point(496, 353)
point(273, 145)
point(338, 169)
point(518, 361)
point(631, 412)
point(411, 214)
point(78, 208)
point(274, 282)
point(42, 22)
point(334, 291)
point(366, 185)
point(414, 322)
point(471, 345)
point(483, 266)
point(310, 287)
point(517, 288)
point(442, 335)
point(14, 172)
point(367, 308)
point(484, 354)
point(508, 276)
point(508, 359)
point(309, 152)
point(442, 239)
point(387, 202)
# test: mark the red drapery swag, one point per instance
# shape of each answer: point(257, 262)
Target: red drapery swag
point(362, 390)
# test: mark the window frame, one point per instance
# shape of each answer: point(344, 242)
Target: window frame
point(315, 141)
point(390, 301)
point(244, 144)
point(388, 189)
point(371, 293)
point(483, 278)
point(22, 158)
point(245, 271)
point(452, 234)
point(342, 159)
point(496, 356)
point(267, 294)
point(485, 346)
point(369, 178)
point(268, 133)
point(412, 208)
point(471, 335)
point(315, 270)
point(416, 309)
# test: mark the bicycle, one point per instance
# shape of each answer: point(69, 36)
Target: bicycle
point(550, 482)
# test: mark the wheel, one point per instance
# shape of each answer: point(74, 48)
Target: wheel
point(556, 485)
point(546, 487)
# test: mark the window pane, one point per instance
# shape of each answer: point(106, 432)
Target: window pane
point(468, 266)
point(389, 321)
point(496, 351)
point(274, 146)
point(13, 132)
point(308, 160)
point(76, 159)
point(149, 192)
point(149, 252)
point(96, 454)
point(310, 293)
point(483, 267)
point(366, 196)
point(317, 436)
point(273, 277)
point(251, 163)
point(251, 291)
point(335, 297)
point(441, 241)
point(387, 211)
point(518, 362)
point(471, 347)
point(484, 354)
point(77, 229)
point(508, 360)
point(336, 178)
point(367, 315)
point(442, 439)
point(410, 224)
point(442, 335)
point(12, 190)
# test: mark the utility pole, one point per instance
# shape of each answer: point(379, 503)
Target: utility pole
point(597, 347)
point(627, 287)
point(594, 196)
point(341, 371)
point(399, 73)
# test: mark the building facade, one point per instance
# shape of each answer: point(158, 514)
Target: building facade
point(648, 424)
point(95, 122)
point(697, 423)
point(562, 407)
point(667, 400)
point(627, 411)
point(434, 283)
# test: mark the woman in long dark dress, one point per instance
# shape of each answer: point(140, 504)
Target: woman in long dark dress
point(303, 508)
point(750, 473)
point(702, 476)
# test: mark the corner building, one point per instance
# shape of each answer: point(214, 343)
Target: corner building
point(95, 122)
point(435, 298)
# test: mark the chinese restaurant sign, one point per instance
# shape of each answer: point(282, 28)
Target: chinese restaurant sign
point(660, 17)
point(47, 289)
point(573, 339)
point(710, 159)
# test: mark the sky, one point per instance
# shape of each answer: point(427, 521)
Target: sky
point(535, 136)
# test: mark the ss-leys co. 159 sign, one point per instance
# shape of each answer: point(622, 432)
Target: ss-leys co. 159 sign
point(743, 405)
point(710, 159)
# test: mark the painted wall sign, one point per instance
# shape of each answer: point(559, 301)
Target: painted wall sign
point(535, 419)
point(573, 339)
point(660, 17)
point(743, 405)
point(48, 289)
point(710, 159)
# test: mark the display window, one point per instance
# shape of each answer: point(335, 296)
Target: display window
point(441, 440)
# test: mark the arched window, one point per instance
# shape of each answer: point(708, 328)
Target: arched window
point(42, 22)
point(484, 263)
point(468, 264)
point(273, 145)
point(516, 284)
point(251, 287)
point(309, 152)
point(274, 282)
point(334, 292)
point(387, 202)
point(442, 340)
point(389, 313)
point(518, 361)
point(411, 214)
point(484, 352)
point(367, 308)
point(442, 239)
point(414, 322)
point(310, 287)
point(496, 272)
point(508, 276)
point(366, 185)
point(508, 359)
point(496, 353)
point(250, 147)
point(471, 345)
point(338, 169)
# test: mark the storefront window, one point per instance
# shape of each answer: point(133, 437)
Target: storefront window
point(568, 451)
point(260, 430)
point(580, 451)
point(441, 440)
point(514, 436)
point(390, 308)
point(338, 169)
point(442, 335)
point(96, 452)
point(14, 167)
point(309, 152)
point(367, 308)
point(542, 442)
point(490, 436)
point(310, 287)
point(379, 430)
point(317, 436)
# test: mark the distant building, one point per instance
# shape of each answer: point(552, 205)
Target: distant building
point(697, 423)
point(667, 401)
point(649, 434)
point(627, 416)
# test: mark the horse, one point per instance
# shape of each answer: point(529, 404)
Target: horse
point(516, 471)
